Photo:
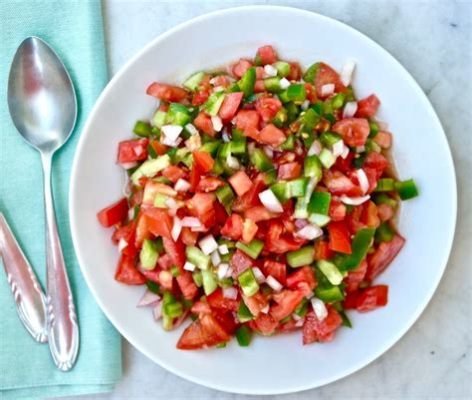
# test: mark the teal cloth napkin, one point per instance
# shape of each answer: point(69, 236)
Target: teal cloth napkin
point(75, 30)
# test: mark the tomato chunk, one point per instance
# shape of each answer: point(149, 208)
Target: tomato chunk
point(233, 227)
point(240, 182)
point(267, 107)
point(130, 151)
point(286, 303)
point(203, 122)
point(203, 160)
point(230, 106)
point(247, 119)
point(128, 273)
point(354, 131)
point(113, 214)
point(372, 297)
point(267, 55)
point(271, 135)
point(327, 75)
point(367, 108)
point(315, 330)
point(202, 333)
point(288, 171)
point(339, 237)
point(383, 256)
point(166, 92)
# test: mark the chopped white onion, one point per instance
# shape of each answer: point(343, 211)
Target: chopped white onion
point(363, 181)
point(171, 143)
point(225, 137)
point(327, 89)
point(234, 120)
point(188, 266)
point(319, 308)
point(213, 80)
point(182, 185)
point(274, 283)
point(229, 272)
point(265, 310)
point(260, 278)
point(347, 71)
point(232, 162)
point(208, 244)
point(338, 148)
point(223, 249)
point(284, 83)
point(270, 201)
point(345, 152)
point(296, 317)
point(222, 270)
point(230, 293)
point(149, 299)
point(360, 149)
point(191, 222)
point(190, 128)
point(157, 312)
point(300, 322)
point(269, 151)
point(354, 201)
point(218, 89)
point(194, 142)
point(122, 244)
point(350, 109)
point(305, 105)
point(171, 132)
point(215, 258)
point(171, 203)
point(217, 123)
point(128, 165)
point(315, 148)
point(310, 232)
point(176, 228)
point(131, 213)
point(383, 126)
point(270, 70)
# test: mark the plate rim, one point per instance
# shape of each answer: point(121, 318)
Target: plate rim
point(430, 109)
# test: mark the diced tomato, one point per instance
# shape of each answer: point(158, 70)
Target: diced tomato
point(295, 73)
point(383, 256)
point(189, 238)
point(165, 262)
point(303, 280)
point(187, 285)
point(209, 184)
point(158, 147)
point(322, 250)
point(201, 203)
point(247, 119)
point(175, 250)
point(265, 324)
point(128, 273)
point(226, 320)
point(128, 234)
point(280, 243)
point(353, 219)
point(370, 215)
point(132, 150)
point(258, 213)
point(221, 80)
point(249, 230)
point(327, 75)
point(151, 275)
point(203, 160)
point(259, 86)
point(372, 297)
point(275, 269)
point(311, 93)
point(256, 303)
point(230, 106)
point(267, 107)
point(240, 262)
point(286, 303)
point(158, 222)
point(233, 227)
point(251, 198)
point(367, 108)
point(240, 182)
point(151, 189)
point(202, 333)
point(354, 131)
point(355, 277)
point(337, 210)
point(271, 135)
point(315, 330)
point(173, 173)
point(291, 170)
point(344, 164)
point(339, 184)
point(383, 139)
point(200, 307)
point(200, 97)
point(203, 122)
point(385, 212)
point(267, 55)
point(377, 162)
point(289, 326)
point(113, 214)
point(240, 68)
point(166, 92)
point(218, 301)
point(339, 237)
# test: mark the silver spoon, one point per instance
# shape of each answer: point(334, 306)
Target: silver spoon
point(43, 107)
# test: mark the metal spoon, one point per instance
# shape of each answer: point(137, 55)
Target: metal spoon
point(43, 107)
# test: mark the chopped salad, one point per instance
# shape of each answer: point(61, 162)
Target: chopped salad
point(260, 200)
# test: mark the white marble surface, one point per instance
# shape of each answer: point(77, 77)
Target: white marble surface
point(433, 41)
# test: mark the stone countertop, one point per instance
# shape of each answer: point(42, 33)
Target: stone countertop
point(432, 39)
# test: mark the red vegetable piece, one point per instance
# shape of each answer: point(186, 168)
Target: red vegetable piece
point(113, 214)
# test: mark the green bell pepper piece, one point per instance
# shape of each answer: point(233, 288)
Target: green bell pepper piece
point(295, 92)
point(142, 128)
point(272, 85)
point(384, 233)
point(282, 67)
point(328, 139)
point(248, 282)
point(360, 245)
point(406, 189)
point(385, 185)
point(247, 82)
point(313, 168)
point(252, 249)
point(243, 314)
point(300, 257)
point(310, 74)
point(260, 160)
point(319, 203)
point(243, 335)
point(214, 102)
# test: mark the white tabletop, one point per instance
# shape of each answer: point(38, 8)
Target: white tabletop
point(433, 41)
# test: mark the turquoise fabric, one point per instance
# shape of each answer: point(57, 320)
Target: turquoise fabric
point(75, 30)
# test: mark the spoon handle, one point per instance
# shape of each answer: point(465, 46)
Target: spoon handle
point(29, 297)
point(63, 330)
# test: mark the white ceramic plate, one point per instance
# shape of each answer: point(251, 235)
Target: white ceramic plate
point(278, 364)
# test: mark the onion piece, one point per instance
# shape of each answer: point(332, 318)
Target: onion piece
point(129, 165)
point(138, 150)
point(327, 89)
point(176, 228)
point(305, 105)
point(208, 244)
point(157, 312)
point(217, 123)
point(149, 299)
point(265, 310)
point(270, 201)
point(222, 270)
point(188, 266)
point(270, 70)
point(215, 258)
point(300, 322)
point(190, 128)
point(354, 201)
point(350, 109)
point(319, 308)
point(182, 185)
point(171, 132)
point(131, 213)
point(363, 181)
point(347, 72)
point(223, 249)
point(274, 283)
point(191, 222)
point(230, 293)
point(269, 151)
point(315, 148)
point(345, 152)
point(360, 149)
point(338, 148)
point(122, 244)
point(232, 162)
point(310, 232)
point(260, 278)
point(284, 83)
point(171, 143)
point(225, 137)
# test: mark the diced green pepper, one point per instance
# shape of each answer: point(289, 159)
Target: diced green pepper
point(406, 189)
point(346, 321)
point(311, 72)
point(319, 219)
point(214, 102)
point(384, 233)
point(327, 158)
point(151, 152)
point(248, 81)
point(382, 198)
point(289, 143)
point(282, 67)
point(197, 257)
point(319, 203)
point(371, 146)
point(330, 271)
point(301, 257)
point(197, 278)
point(302, 308)
point(292, 112)
point(248, 282)
point(178, 114)
point(374, 129)
point(328, 139)
point(150, 168)
point(297, 187)
point(175, 271)
point(329, 294)
point(360, 245)
point(338, 100)
point(281, 191)
point(210, 147)
point(295, 92)
point(243, 314)
point(225, 196)
point(238, 146)
point(385, 185)
point(308, 119)
point(260, 160)
point(272, 85)
point(142, 128)
point(252, 249)
point(243, 335)
point(313, 168)
point(194, 80)
point(210, 283)
point(159, 119)
point(152, 287)
point(270, 177)
point(173, 310)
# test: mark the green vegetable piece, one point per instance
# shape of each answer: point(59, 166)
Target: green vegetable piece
point(282, 67)
point(248, 282)
point(280, 190)
point(214, 102)
point(295, 92)
point(338, 100)
point(374, 129)
point(194, 80)
point(151, 152)
point(210, 283)
point(260, 160)
point(329, 294)
point(178, 114)
point(175, 271)
point(142, 128)
point(197, 278)
point(358, 161)
point(319, 203)
point(243, 335)
point(346, 321)
point(370, 146)
point(272, 85)
point(382, 198)
point(238, 146)
point(297, 187)
point(159, 119)
point(150, 168)
point(289, 143)
point(327, 158)
point(292, 112)
point(248, 81)
point(270, 177)
point(197, 257)
point(225, 196)
point(328, 139)
point(313, 168)
point(384, 233)
point(221, 345)
point(360, 245)
point(252, 249)
point(311, 72)
point(173, 310)
point(152, 287)
point(309, 120)
point(406, 189)
point(301, 257)
point(302, 308)
point(330, 271)
point(166, 322)
point(243, 314)
point(319, 219)
point(211, 147)
point(385, 185)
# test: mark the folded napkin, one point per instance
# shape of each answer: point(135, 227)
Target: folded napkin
point(75, 30)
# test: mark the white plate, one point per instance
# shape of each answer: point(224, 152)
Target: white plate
point(278, 364)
